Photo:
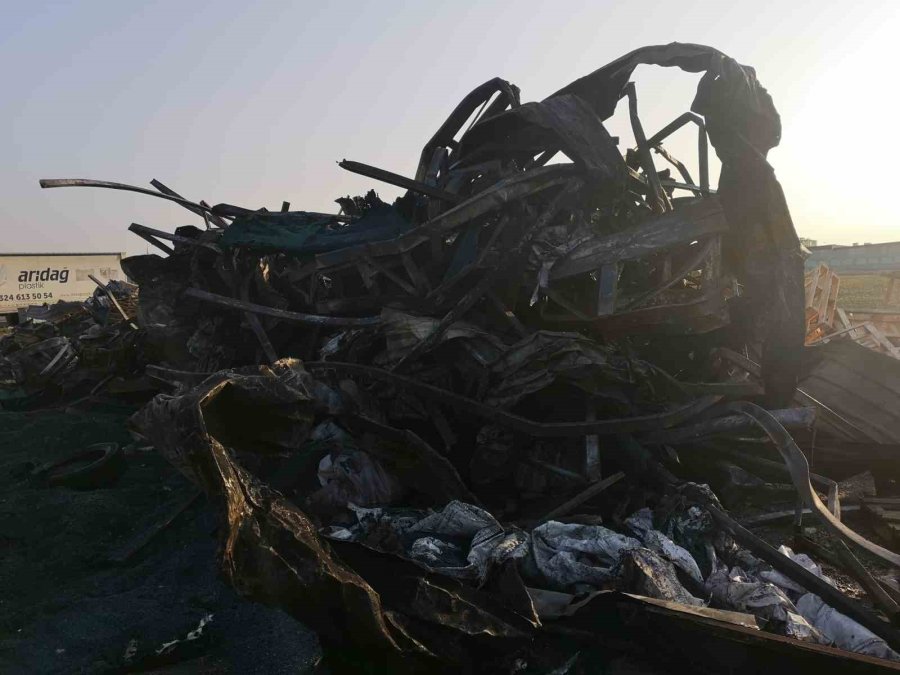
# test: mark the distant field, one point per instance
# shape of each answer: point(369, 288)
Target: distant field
point(862, 292)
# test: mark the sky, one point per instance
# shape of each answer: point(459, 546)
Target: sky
point(254, 103)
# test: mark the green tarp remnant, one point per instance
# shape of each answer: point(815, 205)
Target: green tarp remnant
point(305, 233)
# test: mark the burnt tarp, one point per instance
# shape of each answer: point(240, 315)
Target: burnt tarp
point(302, 233)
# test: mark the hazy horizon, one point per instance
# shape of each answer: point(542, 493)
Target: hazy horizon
point(254, 104)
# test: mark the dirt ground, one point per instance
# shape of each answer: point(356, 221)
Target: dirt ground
point(66, 607)
point(862, 291)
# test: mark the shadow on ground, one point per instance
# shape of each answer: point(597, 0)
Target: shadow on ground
point(66, 608)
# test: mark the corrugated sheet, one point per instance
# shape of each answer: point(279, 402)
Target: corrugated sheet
point(857, 391)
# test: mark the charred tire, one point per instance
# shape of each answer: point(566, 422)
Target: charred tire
point(95, 466)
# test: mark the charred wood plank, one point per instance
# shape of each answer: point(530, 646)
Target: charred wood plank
point(298, 317)
point(204, 212)
point(486, 250)
point(508, 316)
point(150, 239)
point(399, 181)
point(144, 232)
point(790, 418)
point(489, 279)
point(604, 427)
point(507, 191)
point(257, 328)
point(112, 298)
point(583, 496)
point(691, 221)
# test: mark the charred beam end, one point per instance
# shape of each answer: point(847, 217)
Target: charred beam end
point(314, 319)
point(213, 217)
point(202, 212)
point(164, 189)
point(696, 189)
point(144, 232)
point(607, 427)
point(399, 181)
point(150, 239)
point(582, 497)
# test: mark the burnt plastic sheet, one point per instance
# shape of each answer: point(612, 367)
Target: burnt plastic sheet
point(564, 122)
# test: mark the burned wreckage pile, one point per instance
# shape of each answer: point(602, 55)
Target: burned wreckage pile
point(473, 430)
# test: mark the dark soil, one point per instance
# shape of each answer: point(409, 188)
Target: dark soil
point(66, 608)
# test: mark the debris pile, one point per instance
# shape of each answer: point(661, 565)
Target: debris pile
point(472, 429)
point(70, 350)
point(826, 320)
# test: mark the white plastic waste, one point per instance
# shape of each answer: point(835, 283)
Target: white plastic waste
point(842, 631)
point(457, 519)
point(566, 554)
point(488, 542)
point(780, 580)
point(737, 590)
point(836, 628)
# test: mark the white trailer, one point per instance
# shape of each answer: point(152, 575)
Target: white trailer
point(45, 278)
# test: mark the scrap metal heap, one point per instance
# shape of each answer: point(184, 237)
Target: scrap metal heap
point(453, 432)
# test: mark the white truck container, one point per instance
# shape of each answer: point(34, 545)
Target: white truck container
point(45, 278)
